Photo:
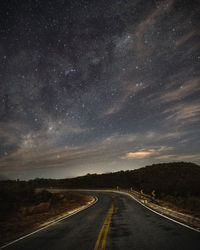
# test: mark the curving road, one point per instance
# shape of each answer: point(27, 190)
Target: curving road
point(116, 221)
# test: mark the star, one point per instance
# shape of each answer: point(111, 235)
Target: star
point(81, 73)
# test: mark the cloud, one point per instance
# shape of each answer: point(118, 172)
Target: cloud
point(185, 38)
point(180, 91)
point(137, 155)
point(38, 152)
point(140, 47)
point(144, 153)
point(133, 42)
point(179, 86)
point(129, 90)
point(183, 113)
point(180, 157)
point(165, 157)
point(44, 156)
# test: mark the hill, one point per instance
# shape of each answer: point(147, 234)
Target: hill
point(177, 182)
point(177, 179)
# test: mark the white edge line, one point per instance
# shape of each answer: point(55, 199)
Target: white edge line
point(180, 223)
point(50, 224)
point(121, 192)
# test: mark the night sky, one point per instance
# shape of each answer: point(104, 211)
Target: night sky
point(94, 86)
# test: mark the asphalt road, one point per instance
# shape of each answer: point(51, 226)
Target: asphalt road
point(116, 221)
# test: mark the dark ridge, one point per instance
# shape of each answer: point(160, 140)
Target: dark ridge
point(176, 182)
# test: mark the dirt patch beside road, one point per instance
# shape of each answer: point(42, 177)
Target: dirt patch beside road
point(28, 218)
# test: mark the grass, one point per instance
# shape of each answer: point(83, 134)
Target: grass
point(30, 215)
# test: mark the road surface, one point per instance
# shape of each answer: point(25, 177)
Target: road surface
point(116, 221)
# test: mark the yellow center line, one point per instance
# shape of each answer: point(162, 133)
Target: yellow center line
point(104, 231)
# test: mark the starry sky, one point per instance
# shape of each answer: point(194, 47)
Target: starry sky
point(96, 86)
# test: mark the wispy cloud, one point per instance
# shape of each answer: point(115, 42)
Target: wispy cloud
point(179, 157)
point(185, 37)
point(183, 113)
point(129, 90)
point(106, 149)
point(180, 91)
point(140, 31)
point(36, 154)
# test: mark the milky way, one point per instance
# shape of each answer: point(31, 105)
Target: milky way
point(97, 86)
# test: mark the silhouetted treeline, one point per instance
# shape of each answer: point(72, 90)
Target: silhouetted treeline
point(177, 179)
point(171, 181)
